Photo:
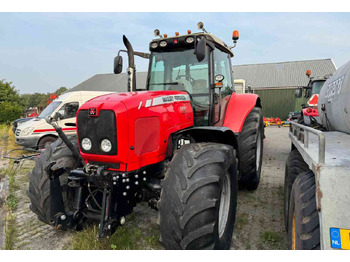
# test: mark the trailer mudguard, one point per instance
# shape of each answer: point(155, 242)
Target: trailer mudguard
point(238, 109)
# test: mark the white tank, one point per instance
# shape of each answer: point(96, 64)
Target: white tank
point(334, 101)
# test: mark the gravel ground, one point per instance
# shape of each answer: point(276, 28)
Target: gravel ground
point(259, 219)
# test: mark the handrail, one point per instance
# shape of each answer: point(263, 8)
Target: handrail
point(295, 129)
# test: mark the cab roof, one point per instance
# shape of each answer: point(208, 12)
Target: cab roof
point(217, 41)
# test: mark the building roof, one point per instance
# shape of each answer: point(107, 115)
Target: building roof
point(282, 74)
point(110, 83)
point(269, 75)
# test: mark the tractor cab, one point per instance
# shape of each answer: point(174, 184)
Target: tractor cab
point(197, 63)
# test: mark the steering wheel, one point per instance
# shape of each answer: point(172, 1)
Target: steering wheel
point(192, 81)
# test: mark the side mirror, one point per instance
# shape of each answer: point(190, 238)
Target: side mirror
point(200, 49)
point(298, 92)
point(118, 64)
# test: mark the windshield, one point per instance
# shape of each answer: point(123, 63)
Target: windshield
point(316, 87)
point(178, 70)
point(49, 109)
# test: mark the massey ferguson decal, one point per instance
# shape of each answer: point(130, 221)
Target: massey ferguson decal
point(92, 111)
point(165, 100)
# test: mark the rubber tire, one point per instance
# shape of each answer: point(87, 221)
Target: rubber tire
point(247, 146)
point(295, 165)
point(303, 205)
point(39, 183)
point(190, 197)
point(46, 140)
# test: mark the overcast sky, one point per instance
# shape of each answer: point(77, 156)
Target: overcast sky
point(40, 52)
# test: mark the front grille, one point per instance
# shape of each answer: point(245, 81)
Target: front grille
point(18, 132)
point(97, 128)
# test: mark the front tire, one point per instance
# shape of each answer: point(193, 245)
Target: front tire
point(250, 150)
point(199, 198)
point(39, 182)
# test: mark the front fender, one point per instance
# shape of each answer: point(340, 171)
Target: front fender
point(238, 109)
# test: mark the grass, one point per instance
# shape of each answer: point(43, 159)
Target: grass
point(272, 239)
point(241, 220)
point(127, 237)
point(8, 139)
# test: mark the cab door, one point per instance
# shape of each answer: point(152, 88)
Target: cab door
point(223, 84)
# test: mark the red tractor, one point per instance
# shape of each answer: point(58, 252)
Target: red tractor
point(184, 146)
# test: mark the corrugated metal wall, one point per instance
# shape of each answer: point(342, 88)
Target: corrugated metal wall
point(279, 102)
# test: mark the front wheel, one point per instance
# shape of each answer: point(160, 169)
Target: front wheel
point(199, 198)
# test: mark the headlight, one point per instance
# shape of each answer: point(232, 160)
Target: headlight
point(163, 43)
point(86, 144)
point(27, 131)
point(154, 45)
point(189, 40)
point(106, 145)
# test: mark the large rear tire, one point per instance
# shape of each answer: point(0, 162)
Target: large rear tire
point(250, 150)
point(39, 182)
point(294, 167)
point(303, 225)
point(199, 198)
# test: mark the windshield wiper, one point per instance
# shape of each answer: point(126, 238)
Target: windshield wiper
point(170, 83)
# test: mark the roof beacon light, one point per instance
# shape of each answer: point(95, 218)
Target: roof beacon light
point(177, 33)
point(308, 73)
point(200, 26)
point(235, 37)
point(165, 35)
point(189, 32)
point(157, 33)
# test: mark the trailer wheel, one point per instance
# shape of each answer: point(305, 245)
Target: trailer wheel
point(303, 226)
point(250, 150)
point(295, 165)
point(39, 183)
point(199, 198)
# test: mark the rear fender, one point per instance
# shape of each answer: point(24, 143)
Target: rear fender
point(238, 109)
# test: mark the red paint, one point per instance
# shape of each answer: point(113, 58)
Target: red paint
point(313, 101)
point(310, 112)
point(53, 130)
point(238, 109)
point(128, 108)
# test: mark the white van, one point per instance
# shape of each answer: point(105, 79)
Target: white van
point(36, 133)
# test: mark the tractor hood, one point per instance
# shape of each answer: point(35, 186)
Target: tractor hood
point(138, 125)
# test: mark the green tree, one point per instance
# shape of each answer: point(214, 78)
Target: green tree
point(8, 92)
point(9, 111)
point(61, 90)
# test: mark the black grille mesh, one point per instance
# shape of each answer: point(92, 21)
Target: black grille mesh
point(97, 128)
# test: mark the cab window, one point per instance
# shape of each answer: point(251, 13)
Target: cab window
point(222, 67)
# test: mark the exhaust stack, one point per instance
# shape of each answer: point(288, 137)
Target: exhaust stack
point(131, 71)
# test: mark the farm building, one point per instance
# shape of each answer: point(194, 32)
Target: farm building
point(275, 83)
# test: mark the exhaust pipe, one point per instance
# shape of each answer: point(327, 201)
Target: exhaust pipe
point(131, 69)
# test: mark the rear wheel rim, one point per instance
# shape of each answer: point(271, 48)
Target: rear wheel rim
point(258, 151)
point(225, 201)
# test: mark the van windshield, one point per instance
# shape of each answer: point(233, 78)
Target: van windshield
point(49, 109)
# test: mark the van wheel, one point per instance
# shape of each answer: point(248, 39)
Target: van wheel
point(47, 140)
